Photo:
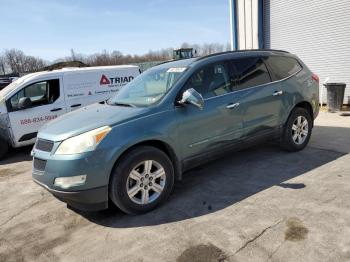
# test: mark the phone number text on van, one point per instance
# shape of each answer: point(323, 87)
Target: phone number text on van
point(37, 119)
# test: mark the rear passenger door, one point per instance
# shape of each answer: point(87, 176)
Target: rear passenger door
point(259, 97)
point(282, 70)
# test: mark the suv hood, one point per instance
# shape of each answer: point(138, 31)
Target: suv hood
point(88, 118)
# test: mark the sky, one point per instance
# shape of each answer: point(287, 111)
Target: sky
point(51, 28)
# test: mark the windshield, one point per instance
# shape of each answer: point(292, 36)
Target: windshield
point(148, 88)
point(8, 89)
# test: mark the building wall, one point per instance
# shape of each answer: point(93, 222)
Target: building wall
point(247, 24)
point(317, 31)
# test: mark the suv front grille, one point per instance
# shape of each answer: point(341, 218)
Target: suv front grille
point(44, 145)
point(39, 164)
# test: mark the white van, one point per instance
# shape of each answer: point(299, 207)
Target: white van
point(34, 99)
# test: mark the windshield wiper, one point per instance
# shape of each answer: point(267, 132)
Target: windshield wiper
point(121, 104)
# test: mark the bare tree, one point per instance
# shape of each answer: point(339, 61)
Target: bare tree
point(15, 59)
point(18, 62)
point(117, 58)
point(2, 65)
point(32, 64)
point(75, 56)
point(72, 54)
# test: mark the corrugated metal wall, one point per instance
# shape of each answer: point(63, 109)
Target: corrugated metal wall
point(317, 31)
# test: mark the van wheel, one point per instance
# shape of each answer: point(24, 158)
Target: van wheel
point(4, 148)
point(297, 131)
point(141, 180)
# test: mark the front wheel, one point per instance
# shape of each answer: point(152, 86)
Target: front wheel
point(297, 131)
point(4, 147)
point(141, 180)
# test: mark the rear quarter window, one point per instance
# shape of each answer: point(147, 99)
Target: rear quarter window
point(250, 72)
point(282, 67)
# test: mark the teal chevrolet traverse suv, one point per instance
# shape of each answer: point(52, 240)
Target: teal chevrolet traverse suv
point(130, 149)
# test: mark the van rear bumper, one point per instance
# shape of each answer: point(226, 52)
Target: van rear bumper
point(87, 200)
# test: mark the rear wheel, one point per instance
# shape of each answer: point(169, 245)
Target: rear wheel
point(4, 148)
point(141, 180)
point(298, 130)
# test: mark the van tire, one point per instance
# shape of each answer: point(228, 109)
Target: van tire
point(4, 148)
point(121, 181)
point(288, 143)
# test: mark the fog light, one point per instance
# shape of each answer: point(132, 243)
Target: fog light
point(67, 182)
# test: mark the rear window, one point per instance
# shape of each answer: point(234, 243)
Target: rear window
point(282, 67)
point(250, 72)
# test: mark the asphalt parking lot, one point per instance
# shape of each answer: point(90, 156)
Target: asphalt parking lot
point(260, 204)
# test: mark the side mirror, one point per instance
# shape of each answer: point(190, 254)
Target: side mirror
point(191, 96)
point(24, 102)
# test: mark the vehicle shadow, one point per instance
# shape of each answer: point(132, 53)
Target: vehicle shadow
point(226, 181)
point(17, 155)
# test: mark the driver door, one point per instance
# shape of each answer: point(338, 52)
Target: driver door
point(205, 133)
point(47, 103)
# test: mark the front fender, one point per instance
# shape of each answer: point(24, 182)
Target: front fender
point(160, 128)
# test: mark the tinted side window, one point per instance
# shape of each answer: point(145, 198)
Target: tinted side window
point(41, 93)
point(283, 67)
point(250, 72)
point(211, 80)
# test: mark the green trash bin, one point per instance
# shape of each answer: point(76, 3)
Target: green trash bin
point(335, 96)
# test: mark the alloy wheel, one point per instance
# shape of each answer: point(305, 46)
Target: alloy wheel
point(146, 182)
point(300, 130)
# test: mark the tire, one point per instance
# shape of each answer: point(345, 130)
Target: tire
point(4, 148)
point(294, 136)
point(132, 174)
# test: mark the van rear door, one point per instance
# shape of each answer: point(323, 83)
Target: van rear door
point(47, 103)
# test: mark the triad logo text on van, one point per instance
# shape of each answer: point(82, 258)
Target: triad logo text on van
point(115, 80)
point(104, 80)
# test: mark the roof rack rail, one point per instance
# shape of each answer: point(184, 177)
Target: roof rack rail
point(242, 51)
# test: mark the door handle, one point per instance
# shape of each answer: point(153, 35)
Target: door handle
point(231, 106)
point(277, 93)
point(56, 109)
point(75, 105)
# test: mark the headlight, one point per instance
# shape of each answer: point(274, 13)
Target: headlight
point(83, 143)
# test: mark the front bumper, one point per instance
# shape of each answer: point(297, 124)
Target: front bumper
point(88, 200)
point(96, 166)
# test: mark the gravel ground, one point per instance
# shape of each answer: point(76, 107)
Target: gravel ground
point(260, 204)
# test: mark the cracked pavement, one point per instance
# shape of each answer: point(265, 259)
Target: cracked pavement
point(260, 204)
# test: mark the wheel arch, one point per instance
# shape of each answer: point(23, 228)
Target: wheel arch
point(307, 106)
point(161, 145)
